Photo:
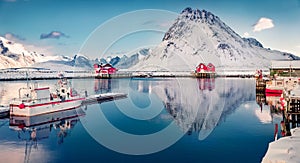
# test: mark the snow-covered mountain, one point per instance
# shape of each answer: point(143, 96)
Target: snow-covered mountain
point(78, 62)
point(14, 55)
point(125, 61)
point(199, 36)
point(196, 36)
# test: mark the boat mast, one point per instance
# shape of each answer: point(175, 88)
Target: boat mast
point(27, 78)
point(290, 67)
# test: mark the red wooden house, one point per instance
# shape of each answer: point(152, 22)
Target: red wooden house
point(211, 68)
point(205, 71)
point(104, 71)
point(201, 68)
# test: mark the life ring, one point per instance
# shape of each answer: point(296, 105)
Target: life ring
point(22, 106)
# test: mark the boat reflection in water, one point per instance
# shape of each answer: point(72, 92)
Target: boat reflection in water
point(40, 126)
point(35, 128)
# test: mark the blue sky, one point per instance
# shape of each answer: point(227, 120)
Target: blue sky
point(63, 26)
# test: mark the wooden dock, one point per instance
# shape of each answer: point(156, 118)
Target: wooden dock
point(205, 75)
point(260, 88)
point(103, 98)
point(291, 114)
point(292, 111)
point(288, 105)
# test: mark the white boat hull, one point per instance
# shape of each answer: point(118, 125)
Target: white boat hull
point(32, 109)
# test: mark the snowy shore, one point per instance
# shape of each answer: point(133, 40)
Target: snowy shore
point(286, 149)
point(23, 75)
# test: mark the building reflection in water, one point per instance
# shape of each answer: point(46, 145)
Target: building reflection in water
point(105, 85)
point(274, 105)
point(143, 86)
point(206, 83)
point(195, 105)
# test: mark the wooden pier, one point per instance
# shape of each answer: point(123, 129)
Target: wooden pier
point(291, 115)
point(288, 105)
point(205, 75)
point(260, 86)
point(292, 111)
point(103, 98)
point(294, 105)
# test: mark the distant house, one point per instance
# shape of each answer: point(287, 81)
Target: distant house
point(285, 68)
point(201, 68)
point(104, 71)
point(211, 68)
point(204, 71)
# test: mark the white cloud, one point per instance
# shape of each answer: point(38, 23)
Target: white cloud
point(246, 34)
point(298, 46)
point(14, 37)
point(262, 24)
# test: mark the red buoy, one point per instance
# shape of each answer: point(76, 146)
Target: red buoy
point(22, 106)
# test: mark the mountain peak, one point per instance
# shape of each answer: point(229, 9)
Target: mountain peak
point(200, 36)
point(189, 18)
point(198, 15)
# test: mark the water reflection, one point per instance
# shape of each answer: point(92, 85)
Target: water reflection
point(105, 85)
point(206, 83)
point(33, 129)
point(196, 110)
point(198, 107)
point(270, 108)
point(40, 126)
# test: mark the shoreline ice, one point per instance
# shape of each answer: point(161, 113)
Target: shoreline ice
point(285, 149)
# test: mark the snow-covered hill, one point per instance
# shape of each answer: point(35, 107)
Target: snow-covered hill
point(199, 36)
point(125, 61)
point(15, 55)
point(196, 36)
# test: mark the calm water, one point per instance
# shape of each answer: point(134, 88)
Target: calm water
point(171, 120)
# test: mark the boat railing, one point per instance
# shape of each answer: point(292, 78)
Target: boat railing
point(38, 100)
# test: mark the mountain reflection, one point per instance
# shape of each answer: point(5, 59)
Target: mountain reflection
point(198, 105)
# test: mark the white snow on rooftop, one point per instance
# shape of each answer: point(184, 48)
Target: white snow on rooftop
point(295, 64)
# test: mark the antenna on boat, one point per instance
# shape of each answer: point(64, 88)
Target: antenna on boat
point(290, 67)
point(27, 81)
point(27, 78)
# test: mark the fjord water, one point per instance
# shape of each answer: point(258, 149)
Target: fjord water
point(213, 120)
